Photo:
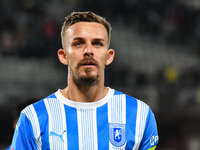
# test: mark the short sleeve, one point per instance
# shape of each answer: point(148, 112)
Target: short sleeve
point(23, 138)
point(150, 138)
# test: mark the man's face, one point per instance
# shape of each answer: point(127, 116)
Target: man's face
point(87, 52)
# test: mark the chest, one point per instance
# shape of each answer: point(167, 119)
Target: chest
point(90, 128)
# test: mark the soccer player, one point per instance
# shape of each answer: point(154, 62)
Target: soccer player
point(86, 115)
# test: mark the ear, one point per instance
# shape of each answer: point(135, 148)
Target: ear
point(62, 56)
point(110, 56)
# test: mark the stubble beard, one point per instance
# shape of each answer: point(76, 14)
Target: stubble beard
point(85, 80)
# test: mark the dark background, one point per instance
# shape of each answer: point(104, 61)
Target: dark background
point(157, 44)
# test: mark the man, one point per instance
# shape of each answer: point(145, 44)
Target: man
point(86, 115)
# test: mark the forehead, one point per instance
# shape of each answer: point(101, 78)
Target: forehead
point(87, 29)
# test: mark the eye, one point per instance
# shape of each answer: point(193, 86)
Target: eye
point(97, 44)
point(78, 44)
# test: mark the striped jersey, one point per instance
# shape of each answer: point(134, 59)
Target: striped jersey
point(116, 122)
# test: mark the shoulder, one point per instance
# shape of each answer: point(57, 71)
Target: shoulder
point(130, 99)
point(133, 105)
point(39, 107)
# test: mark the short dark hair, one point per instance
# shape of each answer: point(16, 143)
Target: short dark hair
point(75, 17)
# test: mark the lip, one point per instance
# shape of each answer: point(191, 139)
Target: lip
point(88, 66)
point(88, 63)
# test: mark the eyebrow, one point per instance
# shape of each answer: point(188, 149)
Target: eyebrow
point(99, 40)
point(78, 39)
point(82, 39)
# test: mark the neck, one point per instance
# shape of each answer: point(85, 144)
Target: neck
point(86, 93)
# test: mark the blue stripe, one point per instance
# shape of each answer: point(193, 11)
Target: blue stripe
point(44, 123)
point(131, 104)
point(72, 128)
point(102, 127)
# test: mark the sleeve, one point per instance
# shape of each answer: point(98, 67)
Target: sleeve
point(23, 138)
point(150, 138)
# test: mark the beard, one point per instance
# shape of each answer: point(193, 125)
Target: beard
point(82, 81)
point(85, 80)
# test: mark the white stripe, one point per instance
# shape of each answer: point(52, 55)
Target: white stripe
point(117, 109)
point(109, 121)
point(57, 125)
point(142, 111)
point(87, 128)
point(37, 128)
point(31, 114)
point(117, 113)
point(50, 122)
point(137, 126)
point(109, 111)
point(64, 125)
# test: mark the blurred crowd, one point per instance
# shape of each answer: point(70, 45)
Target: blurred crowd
point(27, 29)
point(171, 20)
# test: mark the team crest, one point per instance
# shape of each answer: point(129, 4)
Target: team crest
point(117, 134)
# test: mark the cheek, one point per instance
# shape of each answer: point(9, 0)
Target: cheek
point(73, 59)
point(103, 61)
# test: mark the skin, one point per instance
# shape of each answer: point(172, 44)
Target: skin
point(86, 53)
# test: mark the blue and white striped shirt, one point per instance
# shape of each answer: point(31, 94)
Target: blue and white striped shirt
point(116, 122)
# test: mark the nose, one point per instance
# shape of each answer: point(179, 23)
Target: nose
point(88, 50)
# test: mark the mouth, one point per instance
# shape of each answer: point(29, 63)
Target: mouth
point(88, 63)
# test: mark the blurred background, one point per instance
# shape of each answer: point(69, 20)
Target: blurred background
point(157, 44)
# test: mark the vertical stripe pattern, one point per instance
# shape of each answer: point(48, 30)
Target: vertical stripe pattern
point(87, 127)
point(117, 113)
point(64, 124)
point(142, 111)
point(116, 122)
point(57, 124)
point(117, 109)
point(31, 114)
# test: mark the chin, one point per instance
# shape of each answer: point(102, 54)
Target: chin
point(83, 81)
point(89, 76)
